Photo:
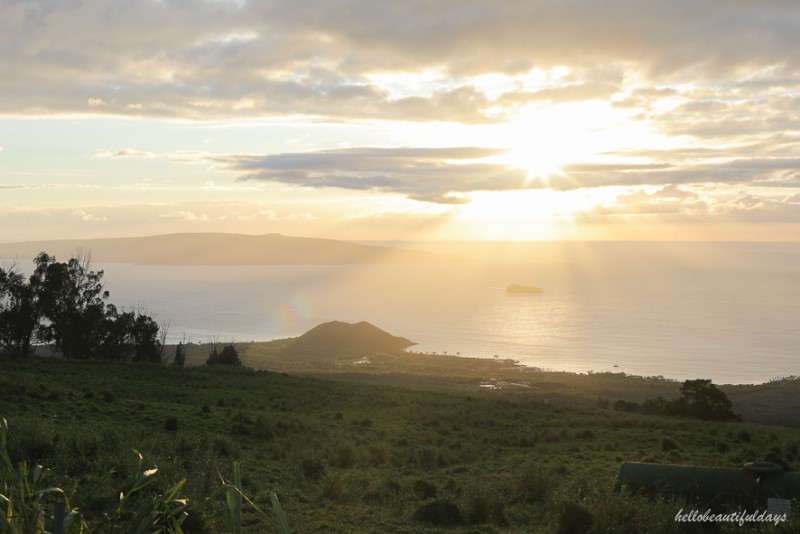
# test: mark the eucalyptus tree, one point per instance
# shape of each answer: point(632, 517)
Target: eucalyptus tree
point(19, 313)
point(73, 304)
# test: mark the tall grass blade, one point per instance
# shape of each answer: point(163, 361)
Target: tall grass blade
point(278, 510)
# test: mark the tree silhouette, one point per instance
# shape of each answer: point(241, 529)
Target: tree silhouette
point(19, 314)
point(228, 356)
point(63, 303)
point(703, 400)
point(180, 355)
point(73, 304)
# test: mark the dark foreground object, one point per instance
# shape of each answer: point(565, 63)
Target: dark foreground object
point(753, 483)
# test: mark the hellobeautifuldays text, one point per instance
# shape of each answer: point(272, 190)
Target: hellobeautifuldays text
point(741, 517)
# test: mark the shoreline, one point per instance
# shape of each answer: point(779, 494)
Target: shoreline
point(775, 402)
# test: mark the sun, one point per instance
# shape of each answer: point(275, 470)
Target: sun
point(543, 140)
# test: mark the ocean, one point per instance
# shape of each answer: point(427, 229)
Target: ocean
point(725, 311)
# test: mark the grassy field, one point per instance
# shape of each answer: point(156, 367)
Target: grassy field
point(346, 457)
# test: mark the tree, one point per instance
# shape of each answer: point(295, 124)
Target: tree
point(64, 304)
point(19, 314)
point(703, 400)
point(73, 304)
point(163, 332)
point(228, 356)
point(116, 327)
point(180, 355)
point(144, 337)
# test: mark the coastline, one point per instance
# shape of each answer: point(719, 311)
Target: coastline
point(773, 402)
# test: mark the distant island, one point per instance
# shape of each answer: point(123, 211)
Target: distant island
point(222, 249)
point(519, 288)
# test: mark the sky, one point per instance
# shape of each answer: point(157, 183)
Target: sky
point(434, 120)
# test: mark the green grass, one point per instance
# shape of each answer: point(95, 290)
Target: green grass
point(343, 457)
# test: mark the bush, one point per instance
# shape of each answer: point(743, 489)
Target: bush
point(378, 455)
point(424, 489)
point(440, 512)
point(240, 429)
point(626, 406)
point(668, 445)
point(171, 423)
point(534, 485)
point(486, 505)
point(263, 429)
point(312, 468)
point(574, 519)
point(334, 490)
point(345, 456)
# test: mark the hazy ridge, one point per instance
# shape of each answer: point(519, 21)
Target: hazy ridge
point(221, 249)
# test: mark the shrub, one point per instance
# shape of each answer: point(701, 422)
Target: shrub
point(424, 489)
point(533, 485)
point(486, 505)
point(263, 430)
point(574, 519)
point(171, 423)
point(626, 406)
point(240, 429)
point(668, 445)
point(312, 468)
point(345, 456)
point(334, 490)
point(427, 457)
point(440, 512)
point(223, 446)
point(378, 455)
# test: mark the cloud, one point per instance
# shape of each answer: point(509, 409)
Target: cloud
point(184, 216)
point(446, 175)
point(213, 60)
point(124, 153)
point(48, 186)
point(667, 200)
point(440, 175)
point(728, 112)
point(571, 92)
point(269, 215)
point(304, 216)
point(715, 82)
point(677, 205)
point(86, 216)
